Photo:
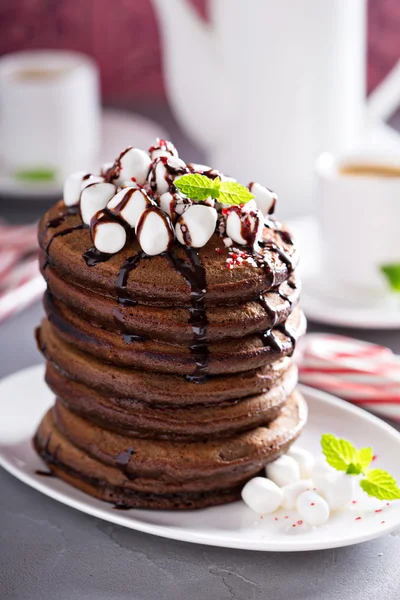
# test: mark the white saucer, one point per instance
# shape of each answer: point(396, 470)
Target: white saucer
point(24, 398)
point(324, 304)
point(119, 129)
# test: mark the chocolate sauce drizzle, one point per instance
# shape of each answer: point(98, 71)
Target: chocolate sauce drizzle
point(123, 298)
point(44, 473)
point(53, 223)
point(92, 256)
point(195, 275)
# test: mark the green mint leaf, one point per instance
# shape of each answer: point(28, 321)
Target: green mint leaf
point(233, 193)
point(353, 469)
point(364, 458)
point(339, 453)
point(380, 484)
point(197, 187)
point(392, 274)
point(35, 174)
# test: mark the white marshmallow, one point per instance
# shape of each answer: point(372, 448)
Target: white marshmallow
point(243, 226)
point(337, 488)
point(283, 470)
point(293, 490)
point(75, 183)
point(163, 172)
point(174, 204)
point(313, 509)
point(154, 231)
point(197, 224)
point(262, 495)
point(265, 199)
point(321, 468)
point(108, 236)
point(162, 148)
point(134, 165)
point(129, 204)
point(106, 167)
point(94, 197)
point(304, 459)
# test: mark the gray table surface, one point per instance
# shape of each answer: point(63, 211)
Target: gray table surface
point(51, 552)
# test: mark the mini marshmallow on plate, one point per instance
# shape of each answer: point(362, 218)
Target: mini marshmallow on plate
point(154, 231)
point(304, 459)
point(94, 197)
point(262, 495)
point(75, 183)
point(162, 148)
point(163, 172)
point(337, 488)
point(197, 224)
point(133, 164)
point(265, 199)
point(283, 470)
point(244, 227)
point(293, 490)
point(108, 235)
point(313, 509)
point(129, 204)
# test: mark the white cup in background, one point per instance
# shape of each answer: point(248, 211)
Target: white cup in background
point(359, 217)
point(49, 111)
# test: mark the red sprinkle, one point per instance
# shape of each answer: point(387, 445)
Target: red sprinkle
point(374, 457)
point(357, 519)
point(382, 522)
point(133, 178)
point(354, 501)
point(378, 510)
point(286, 517)
point(312, 504)
point(294, 525)
point(387, 503)
point(219, 250)
point(276, 518)
point(299, 522)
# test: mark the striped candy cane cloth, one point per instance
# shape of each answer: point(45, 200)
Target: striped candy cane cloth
point(20, 279)
point(363, 373)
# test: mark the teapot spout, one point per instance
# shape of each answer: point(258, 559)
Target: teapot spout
point(194, 76)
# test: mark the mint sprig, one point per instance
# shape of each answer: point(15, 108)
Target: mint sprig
point(35, 174)
point(199, 187)
point(392, 274)
point(342, 455)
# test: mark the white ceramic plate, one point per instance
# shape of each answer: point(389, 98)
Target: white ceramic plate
point(324, 303)
point(119, 129)
point(24, 398)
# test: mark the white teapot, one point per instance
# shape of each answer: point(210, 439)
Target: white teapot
point(267, 85)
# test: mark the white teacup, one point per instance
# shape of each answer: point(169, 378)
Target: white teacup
point(359, 216)
point(49, 111)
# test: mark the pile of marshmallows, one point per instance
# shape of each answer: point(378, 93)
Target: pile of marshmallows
point(297, 481)
point(137, 191)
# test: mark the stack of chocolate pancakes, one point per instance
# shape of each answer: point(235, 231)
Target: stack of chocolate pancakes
point(173, 373)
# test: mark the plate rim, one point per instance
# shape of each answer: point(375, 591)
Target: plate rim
point(103, 511)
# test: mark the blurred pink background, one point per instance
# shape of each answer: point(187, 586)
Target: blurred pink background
point(122, 36)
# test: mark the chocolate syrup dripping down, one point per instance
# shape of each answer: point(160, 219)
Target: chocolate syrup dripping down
point(285, 258)
point(121, 506)
point(92, 257)
point(195, 276)
point(64, 232)
point(122, 297)
point(44, 473)
point(53, 223)
point(271, 312)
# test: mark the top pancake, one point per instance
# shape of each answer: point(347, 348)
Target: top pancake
point(155, 281)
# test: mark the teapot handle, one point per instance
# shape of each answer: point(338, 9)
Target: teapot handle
point(385, 99)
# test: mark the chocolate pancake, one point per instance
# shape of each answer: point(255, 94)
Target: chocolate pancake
point(225, 356)
point(161, 474)
point(132, 417)
point(162, 280)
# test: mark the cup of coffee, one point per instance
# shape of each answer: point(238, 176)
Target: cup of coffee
point(49, 112)
point(359, 216)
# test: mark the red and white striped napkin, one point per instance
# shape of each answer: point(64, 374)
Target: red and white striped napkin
point(20, 279)
point(366, 374)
